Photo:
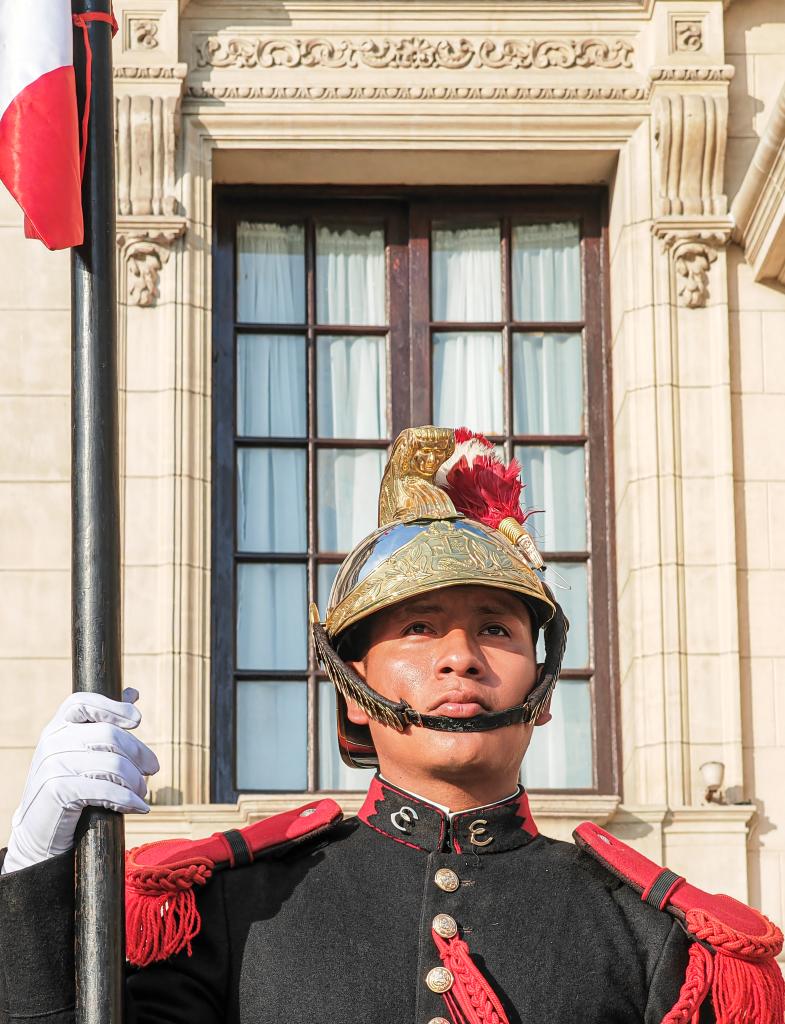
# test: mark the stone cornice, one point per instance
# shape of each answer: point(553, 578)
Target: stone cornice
point(759, 206)
point(442, 93)
point(413, 53)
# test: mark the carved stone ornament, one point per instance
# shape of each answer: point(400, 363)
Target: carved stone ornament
point(209, 90)
point(688, 36)
point(147, 130)
point(693, 250)
point(413, 52)
point(143, 33)
point(145, 247)
point(690, 131)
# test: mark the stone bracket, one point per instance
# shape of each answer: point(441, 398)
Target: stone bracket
point(145, 244)
point(692, 245)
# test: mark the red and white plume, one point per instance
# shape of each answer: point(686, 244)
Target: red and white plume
point(483, 488)
point(39, 130)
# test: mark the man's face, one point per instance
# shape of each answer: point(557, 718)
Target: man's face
point(459, 652)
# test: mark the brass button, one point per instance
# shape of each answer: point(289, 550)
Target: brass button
point(439, 979)
point(447, 879)
point(438, 1020)
point(445, 926)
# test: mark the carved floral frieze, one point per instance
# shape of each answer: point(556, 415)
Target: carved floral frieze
point(413, 52)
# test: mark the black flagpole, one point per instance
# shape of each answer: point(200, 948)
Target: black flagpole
point(95, 525)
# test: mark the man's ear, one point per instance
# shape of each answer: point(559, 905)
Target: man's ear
point(354, 712)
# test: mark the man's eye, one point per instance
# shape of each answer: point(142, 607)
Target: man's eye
point(418, 628)
point(496, 630)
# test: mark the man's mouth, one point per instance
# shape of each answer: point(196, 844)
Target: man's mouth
point(458, 704)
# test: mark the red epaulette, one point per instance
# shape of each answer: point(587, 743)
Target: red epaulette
point(161, 917)
point(733, 951)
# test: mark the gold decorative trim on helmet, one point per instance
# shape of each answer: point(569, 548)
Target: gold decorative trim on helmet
point(406, 560)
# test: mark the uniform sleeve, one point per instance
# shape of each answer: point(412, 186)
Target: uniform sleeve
point(37, 964)
point(36, 943)
point(668, 977)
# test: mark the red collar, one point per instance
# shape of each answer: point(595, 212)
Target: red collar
point(416, 823)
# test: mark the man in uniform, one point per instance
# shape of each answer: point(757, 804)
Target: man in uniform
point(440, 903)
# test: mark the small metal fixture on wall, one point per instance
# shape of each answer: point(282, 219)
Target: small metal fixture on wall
point(712, 773)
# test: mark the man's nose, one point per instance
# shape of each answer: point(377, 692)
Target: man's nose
point(459, 653)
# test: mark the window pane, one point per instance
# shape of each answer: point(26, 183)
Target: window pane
point(547, 384)
point(575, 602)
point(546, 272)
point(333, 773)
point(554, 478)
point(351, 390)
point(271, 617)
point(466, 273)
point(348, 487)
point(271, 505)
point(560, 755)
point(468, 378)
point(270, 273)
point(271, 735)
point(325, 576)
point(270, 385)
point(350, 269)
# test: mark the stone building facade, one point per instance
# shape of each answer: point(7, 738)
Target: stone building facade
point(670, 115)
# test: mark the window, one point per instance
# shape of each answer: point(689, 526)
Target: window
point(339, 320)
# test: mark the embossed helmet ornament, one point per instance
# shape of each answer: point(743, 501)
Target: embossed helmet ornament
point(449, 515)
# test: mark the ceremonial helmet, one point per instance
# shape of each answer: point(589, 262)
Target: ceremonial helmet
point(449, 515)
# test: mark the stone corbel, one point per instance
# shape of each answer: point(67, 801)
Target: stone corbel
point(147, 116)
point(690, 115)
point(692, 244)
point(145, 244)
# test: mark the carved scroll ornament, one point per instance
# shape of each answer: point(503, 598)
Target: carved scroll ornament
point(414, 52)
point(144, 250)
point(692, 251)
point(690, 130)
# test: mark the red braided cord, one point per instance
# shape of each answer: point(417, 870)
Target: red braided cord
point(697, 982)
point(476, 999)
point(82, 21)
point(159, 881)
point(721, 937)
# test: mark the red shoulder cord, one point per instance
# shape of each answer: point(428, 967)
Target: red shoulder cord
point(82, 21)
point(470, 999)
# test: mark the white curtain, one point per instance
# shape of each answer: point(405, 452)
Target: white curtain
point(546, 272)
point(555, 485)
point(466, 274)
point(548, 384)
point(560, 754)
point(271, 617)
point(468, 378)
point(270, 273)
point(271, 735)
point(348, 495)
point(467, 366)
point(351, 389)
point(350, 272)
point(271, 503)
point(270, 385)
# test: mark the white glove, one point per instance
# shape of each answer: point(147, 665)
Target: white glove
point(86, 756)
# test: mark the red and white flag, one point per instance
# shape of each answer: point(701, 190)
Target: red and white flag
point(39, 130)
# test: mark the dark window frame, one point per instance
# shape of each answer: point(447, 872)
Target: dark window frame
point(408, 213)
